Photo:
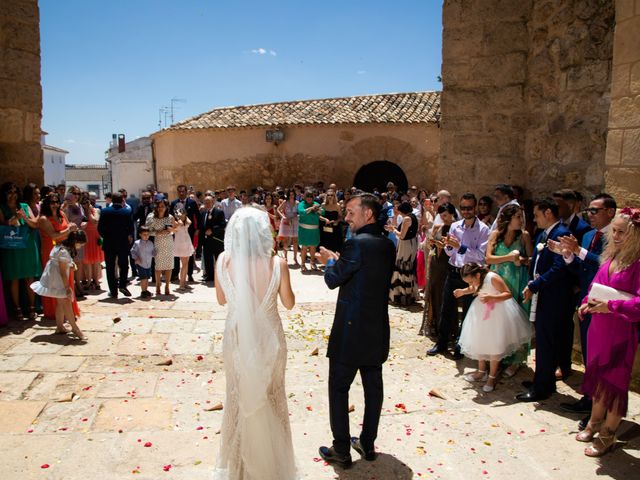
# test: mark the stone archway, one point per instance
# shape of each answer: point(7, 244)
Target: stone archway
point(375, 175)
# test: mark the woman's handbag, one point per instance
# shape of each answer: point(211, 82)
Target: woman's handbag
point(12, 238)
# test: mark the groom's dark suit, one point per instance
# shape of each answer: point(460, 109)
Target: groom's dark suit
point(359, 337)
point(554, 321)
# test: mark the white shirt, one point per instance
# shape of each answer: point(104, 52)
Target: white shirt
point(230, 206)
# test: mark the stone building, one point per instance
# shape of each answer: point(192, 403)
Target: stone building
point(542, 93)
point(363, 141)
point(20, 92)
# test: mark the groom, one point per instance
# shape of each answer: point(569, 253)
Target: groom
point(359, 337)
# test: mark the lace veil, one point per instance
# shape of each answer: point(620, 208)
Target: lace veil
point(248, 244)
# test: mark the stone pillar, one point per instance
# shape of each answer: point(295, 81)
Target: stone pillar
point(622, 175)
point(484, 64)
point(20, 92)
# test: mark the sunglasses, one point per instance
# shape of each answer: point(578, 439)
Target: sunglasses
point(593, 210)
point(466, 209)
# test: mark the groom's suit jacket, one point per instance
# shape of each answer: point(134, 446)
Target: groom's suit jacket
point(360, 332)
point(554, 281)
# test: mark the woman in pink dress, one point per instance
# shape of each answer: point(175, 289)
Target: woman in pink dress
point(613, 334)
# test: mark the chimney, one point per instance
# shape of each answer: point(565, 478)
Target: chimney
point(121, 143)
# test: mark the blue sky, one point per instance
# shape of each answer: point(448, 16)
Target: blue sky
point(109, 66)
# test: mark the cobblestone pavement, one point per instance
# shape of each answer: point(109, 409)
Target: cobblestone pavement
point(140, 400)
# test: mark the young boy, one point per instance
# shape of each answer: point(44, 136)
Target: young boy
point(143, 252)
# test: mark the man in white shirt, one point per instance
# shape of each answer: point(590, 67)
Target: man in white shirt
point(503, 195)
point(465, 243)
point(231, 203)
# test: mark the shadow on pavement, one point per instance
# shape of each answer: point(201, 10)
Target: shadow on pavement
point(385, 466)
point(620, 464)
point(56, 339)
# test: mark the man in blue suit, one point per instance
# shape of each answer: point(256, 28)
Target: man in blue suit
point(568, 202)
point(359, 339)
point(584, 261)
point(116, 229)
point(554, 303)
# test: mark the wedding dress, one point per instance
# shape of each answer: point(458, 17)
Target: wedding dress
point(256, 434)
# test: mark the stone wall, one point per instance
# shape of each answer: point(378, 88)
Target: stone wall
point(20, 92)
point(526, 93)
point(623, 143)
point(215, 158)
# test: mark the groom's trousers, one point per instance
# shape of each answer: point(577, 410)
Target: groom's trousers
point(340, 378)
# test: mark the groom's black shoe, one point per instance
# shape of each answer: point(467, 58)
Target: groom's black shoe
point(369, 456)
point(435, 350)
point(329, 455)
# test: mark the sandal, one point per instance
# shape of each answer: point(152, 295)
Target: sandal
point(33, 314)
point(490, 386)
point(18, 314)
point(57, 331)
point(473, 377)
point(589, 432)
point(602, 444)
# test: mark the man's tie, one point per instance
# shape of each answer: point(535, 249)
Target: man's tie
point(595, 240)
point(543, 237)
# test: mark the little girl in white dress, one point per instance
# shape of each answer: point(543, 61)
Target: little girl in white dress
point(495, 325)
point(182, 246)
point(55, 281)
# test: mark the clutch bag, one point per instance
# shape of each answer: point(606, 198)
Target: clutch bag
point(603, 293)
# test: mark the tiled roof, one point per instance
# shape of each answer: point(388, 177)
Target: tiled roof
point(415, 107)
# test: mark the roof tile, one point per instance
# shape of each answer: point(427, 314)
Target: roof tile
point(413, 107)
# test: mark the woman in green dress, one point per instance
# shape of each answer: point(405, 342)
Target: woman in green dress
point(309, 216)
point(19, 264)
point(508, 252)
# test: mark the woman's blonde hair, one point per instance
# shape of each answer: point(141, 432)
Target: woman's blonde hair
point(630, 250)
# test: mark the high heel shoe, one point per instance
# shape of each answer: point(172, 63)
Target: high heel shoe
point(32, 313)
point(589, 432)
point(487, 387)
point(18, 314)
point(472, 377)
point(602, 444)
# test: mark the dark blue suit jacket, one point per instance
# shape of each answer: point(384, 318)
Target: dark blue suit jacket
point(586, 269)
point(360, 331)
point(554, 282)
point(579, 228)
point(115, 227)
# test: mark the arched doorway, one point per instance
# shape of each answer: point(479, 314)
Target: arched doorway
point(376, 175)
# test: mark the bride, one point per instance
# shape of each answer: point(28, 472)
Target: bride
point(256, 435)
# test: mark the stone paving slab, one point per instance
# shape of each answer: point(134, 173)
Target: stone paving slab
point(160, 395)
point(17, 416)
point(52, 363)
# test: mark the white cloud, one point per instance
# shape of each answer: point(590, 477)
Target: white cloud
point(264, 51)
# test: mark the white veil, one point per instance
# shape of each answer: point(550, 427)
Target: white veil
point(248, 245)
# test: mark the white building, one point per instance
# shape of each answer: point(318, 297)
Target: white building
point(53, 159)
point(92, 178)
point(130, 165)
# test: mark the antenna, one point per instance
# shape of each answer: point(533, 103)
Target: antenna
point(175, 100)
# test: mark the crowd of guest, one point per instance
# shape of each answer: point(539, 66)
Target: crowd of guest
point(542, 256)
